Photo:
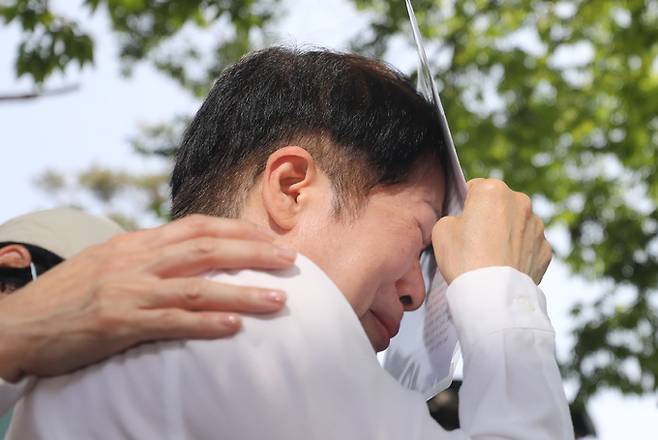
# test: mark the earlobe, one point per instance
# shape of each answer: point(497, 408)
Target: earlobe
point(15, 256)
point(289, 173)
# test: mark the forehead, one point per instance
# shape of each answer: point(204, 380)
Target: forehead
point(426, 184)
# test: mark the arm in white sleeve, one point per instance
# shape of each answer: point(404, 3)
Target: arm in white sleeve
point(512, 387)
point(307, 373)
point(310, 374)
point(11, 392)
point(313, 375)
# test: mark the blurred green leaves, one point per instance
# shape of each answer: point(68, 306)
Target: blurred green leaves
point(50, 42)
point(161, 32)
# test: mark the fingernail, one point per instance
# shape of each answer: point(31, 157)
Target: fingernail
point(230, 320)
point(274, 296)
point(285, 253)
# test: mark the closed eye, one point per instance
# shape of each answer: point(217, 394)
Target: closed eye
point(425, 240)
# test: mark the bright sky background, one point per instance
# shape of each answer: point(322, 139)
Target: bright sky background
point(91, 126)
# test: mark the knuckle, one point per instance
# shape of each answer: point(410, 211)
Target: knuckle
point(473, 183)
point(525, 204)
point(192, 292)
point(120, 245)
point(205, 246)
point(446, 227)
point(492, 186)
point(442, 224)
point(524, 198)
point(167, 318)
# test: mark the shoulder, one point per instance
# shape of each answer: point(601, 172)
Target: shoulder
point(315, 305)
point(316, 319)
point(311, 363)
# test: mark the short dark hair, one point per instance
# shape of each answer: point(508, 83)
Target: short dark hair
point(363, 122)
point(12, 279)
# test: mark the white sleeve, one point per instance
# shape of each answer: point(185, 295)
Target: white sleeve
point(310, 374)
point(11, 392)
point(307, 373)
point(314, 376)
point(512, 387)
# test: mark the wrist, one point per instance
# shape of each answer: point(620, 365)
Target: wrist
point(493, 299)
point(10, 370)
point(11, 349)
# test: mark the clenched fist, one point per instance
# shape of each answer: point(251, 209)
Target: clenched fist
point(497, 228)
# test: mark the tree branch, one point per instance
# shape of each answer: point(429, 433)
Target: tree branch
point(41, 93)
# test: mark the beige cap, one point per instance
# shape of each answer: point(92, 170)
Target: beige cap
point(62, 231)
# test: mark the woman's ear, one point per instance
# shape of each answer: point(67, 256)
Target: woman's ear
point(15, 256)
point(289, 177)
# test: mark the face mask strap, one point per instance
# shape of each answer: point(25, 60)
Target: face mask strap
point(33, 271)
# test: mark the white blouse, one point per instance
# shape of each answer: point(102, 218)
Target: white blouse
point(310, 373)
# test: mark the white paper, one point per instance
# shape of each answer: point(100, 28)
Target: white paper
point(423, 356)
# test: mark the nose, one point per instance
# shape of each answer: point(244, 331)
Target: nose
point(411, 288)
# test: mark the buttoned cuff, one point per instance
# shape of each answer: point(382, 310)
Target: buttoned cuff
point(493, 299)
point(11, 392)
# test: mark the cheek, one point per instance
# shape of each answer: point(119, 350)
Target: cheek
point(363, 258)
point(348, 255)
point(363, 273)
point(402, 250)
point(382, 262)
